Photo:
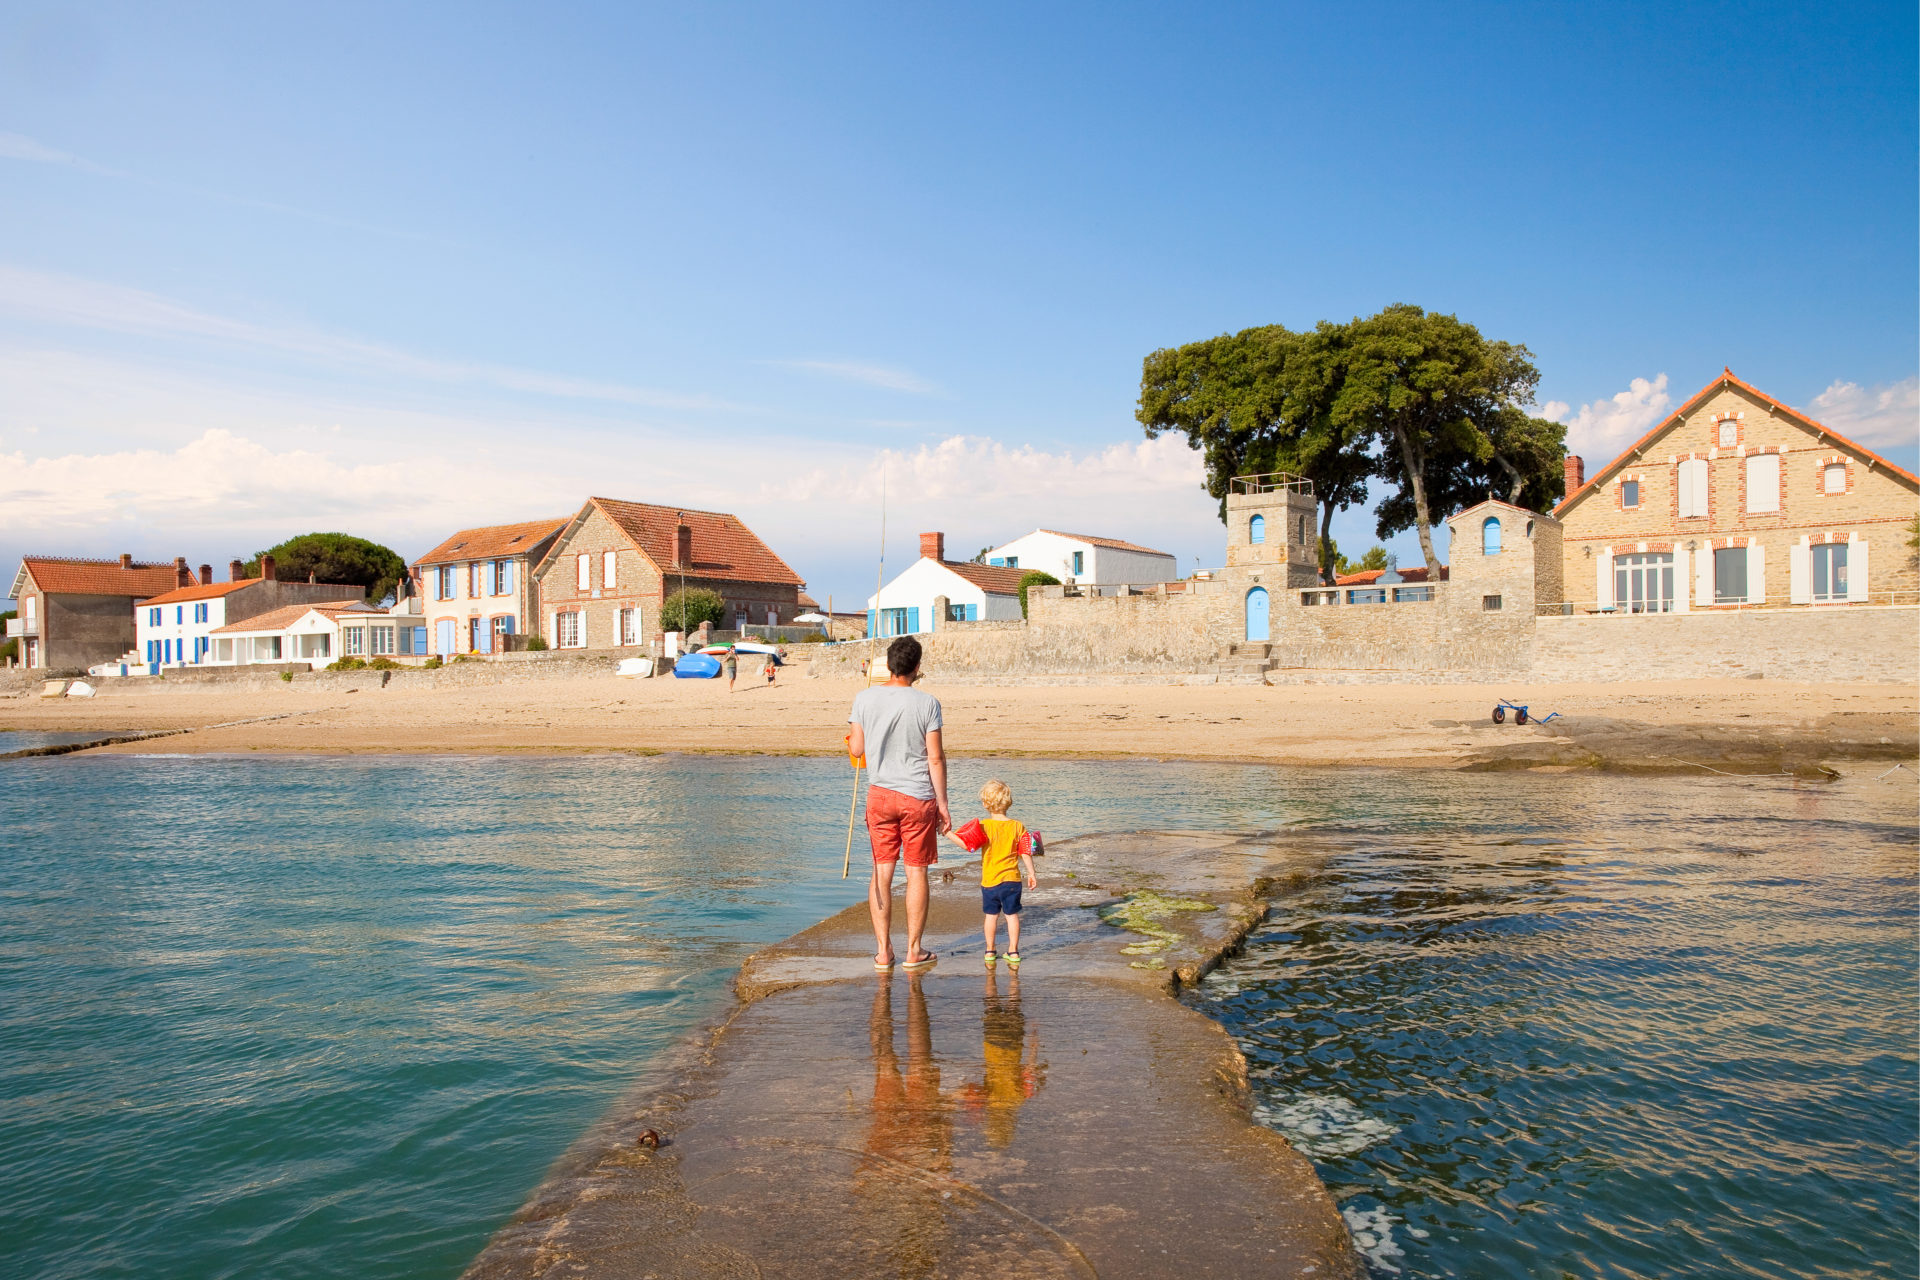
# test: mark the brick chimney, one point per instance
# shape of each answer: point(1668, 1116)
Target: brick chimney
point(206, 575)
point(1576, 471)
point(266, 569)
point(236, 571)
point(126, 560)
point(933, 546)
point(683, 544)
point(182, 576)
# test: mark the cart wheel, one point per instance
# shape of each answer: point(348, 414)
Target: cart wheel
point(1520, 716)
point(1499, 715)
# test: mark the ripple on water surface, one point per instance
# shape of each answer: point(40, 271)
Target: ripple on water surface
point(1670, 1037)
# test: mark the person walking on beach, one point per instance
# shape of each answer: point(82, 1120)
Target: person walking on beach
point(732, 664)
point(897, 728)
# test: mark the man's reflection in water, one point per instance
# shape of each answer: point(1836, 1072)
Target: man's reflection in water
point(1014, 1071)
point(910, 1125)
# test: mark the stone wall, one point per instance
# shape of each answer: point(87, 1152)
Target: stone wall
point(1450, 633)
point(1842, 643)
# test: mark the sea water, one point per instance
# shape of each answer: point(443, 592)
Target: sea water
point(335, 1017)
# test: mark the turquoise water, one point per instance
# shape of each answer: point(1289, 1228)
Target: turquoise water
point(1646, 1030)
point(20, 739)
point(282, 1017)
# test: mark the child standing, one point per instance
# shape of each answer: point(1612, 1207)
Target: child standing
point(1005, 862)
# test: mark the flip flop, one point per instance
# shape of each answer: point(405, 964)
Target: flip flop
point(1013, 959)
point(992, 959)
point(883, 968)
point(918, 966)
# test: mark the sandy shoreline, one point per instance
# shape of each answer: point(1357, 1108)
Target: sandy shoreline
point(1635, 725)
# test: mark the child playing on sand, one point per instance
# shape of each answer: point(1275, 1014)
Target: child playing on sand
point(1005, 861)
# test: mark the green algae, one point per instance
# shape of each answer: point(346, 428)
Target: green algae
point(1143, 912)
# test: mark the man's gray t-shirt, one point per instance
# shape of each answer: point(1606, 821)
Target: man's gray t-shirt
point(897, 720)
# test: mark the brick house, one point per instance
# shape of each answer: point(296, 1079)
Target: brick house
point(175, 628)
point(1738, 500)
point(605, 578)
point(75, 613)
point(476, 589)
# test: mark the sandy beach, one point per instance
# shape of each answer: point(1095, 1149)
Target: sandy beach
point(1649, 725)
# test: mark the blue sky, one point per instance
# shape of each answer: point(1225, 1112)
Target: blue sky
point(272, 268)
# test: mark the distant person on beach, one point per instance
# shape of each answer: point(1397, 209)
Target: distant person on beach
point(897, 728)
point(732, 664)
point(1006, 860)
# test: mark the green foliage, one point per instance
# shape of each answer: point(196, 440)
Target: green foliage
point(9, 648)
point(1034, 578)
point(347, 664)
point(536, 645)
point(287, 676)
point(335, 557)
point(468, 657)
point(382, 663)
point(1375, 558)
point(432, 664)
point(686, 610)
point(1421, 402)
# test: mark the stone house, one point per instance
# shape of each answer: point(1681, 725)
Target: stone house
point(1086, 560)
point(477, 589)
point(76, 613)
point(175, 628)
point(934, 590)
point(605, 577)
point(1735, 501)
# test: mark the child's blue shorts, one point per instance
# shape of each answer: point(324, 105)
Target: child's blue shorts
point(1002, 899)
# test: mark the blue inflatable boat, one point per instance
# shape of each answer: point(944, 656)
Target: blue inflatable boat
point(696, 666)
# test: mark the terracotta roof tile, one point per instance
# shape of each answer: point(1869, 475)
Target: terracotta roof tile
point(1728, 379)
point(1115, 543)
point(201, 591)
point(493, 541)
point(62, 575)
point(723, 547)
point(1367, 577)
point(997, 579)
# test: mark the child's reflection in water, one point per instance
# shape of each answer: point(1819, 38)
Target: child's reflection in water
point(1014, 1071)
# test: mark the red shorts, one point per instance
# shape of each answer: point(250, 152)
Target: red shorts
point(898, 825)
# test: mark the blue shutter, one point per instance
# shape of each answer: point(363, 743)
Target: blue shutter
point(973, 613)
point(507, 570)
point(913, 621)
point(873, 622)
point(999, 560)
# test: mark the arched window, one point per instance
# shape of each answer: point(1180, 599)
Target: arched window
point(1257, 529)
point(1490, 536)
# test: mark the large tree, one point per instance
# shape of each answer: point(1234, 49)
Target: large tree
point(1253, 402)
point(335, 557)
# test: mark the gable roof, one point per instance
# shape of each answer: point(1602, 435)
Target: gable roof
point(1115, 543)
point(992, 578)
point(66, 576)
point(493, 541)
point(1727, 379)
point(723, 547)
point(201, 591)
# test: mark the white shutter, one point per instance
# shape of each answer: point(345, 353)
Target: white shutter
point(1703, 577)
point(1757, 574)
point(1763, 482)
point(1603, 580)
point(608, 561)
point(553, 628)
point(582, 571)
point(1800, 573)
point(1680, 592)
point(1857, 570)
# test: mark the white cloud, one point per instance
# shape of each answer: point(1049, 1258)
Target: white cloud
point(1599, 431)
point(872, 375)
point(90, 304)
point(15, 146)
point(1887, 416)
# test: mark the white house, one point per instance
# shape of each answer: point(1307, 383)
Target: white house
point(1086, 560)
point(175, 628)
point(973, 592)
point(319, 634)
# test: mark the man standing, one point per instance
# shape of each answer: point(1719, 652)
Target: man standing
point(897, 728)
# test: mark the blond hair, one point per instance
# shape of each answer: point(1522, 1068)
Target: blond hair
point(996, 796)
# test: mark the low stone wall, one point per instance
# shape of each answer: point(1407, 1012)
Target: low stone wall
point(1855, 642)
point(1448, 634)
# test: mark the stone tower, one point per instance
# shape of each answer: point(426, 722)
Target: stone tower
point(1273, 523)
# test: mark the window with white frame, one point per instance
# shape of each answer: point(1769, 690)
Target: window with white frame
point(153, 616)
point(382, 639)
point(200, 613)
point(629, 626)
point(443, 582)
point(503, 577)
point(568, 625)
point(353, 641)
point(502, 629)
point(1692, 482)
point(1643, 583)
point(608, 570)
point(583, 571)
point(1833, 478)
point(1729, 575)
point(1829, 571)
point(1763, 482)
point(1729, 434)
point(1629, 493)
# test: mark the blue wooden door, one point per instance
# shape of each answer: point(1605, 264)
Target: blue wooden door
point(445, 628)
point(1257, 614)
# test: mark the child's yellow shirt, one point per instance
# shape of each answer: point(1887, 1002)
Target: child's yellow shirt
point(998, 862)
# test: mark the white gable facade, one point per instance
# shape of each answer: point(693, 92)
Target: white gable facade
point(1087, 561)
point(906, 605)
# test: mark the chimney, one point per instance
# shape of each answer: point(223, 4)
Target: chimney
point(206, 575)
point(235, 570)
point(182, 576)
point(933, 546)
point(683, 544)
point(266, 568)
point(1576, 471)
point(126, 560)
